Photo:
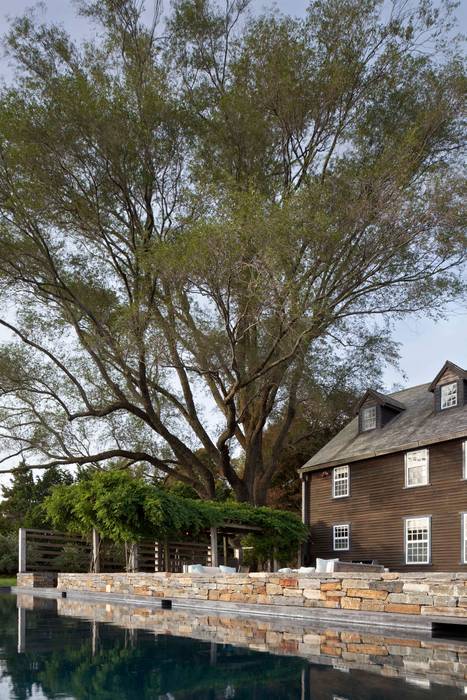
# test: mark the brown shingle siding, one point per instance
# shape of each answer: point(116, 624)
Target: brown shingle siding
point(379, 502)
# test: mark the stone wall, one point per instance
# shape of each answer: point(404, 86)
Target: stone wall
point(392, 593)
point(42, 579)
point(400, 656)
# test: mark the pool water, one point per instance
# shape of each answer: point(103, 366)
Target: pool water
point(45, 653)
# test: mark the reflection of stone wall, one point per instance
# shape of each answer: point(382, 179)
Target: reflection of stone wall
point(438, 661)
point(402, 593)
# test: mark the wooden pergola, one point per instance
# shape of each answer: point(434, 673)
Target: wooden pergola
point(225, 531)
point(212, 547)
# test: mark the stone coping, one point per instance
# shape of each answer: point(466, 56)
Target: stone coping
point(416, 594)
point(264, 575)
point(294, 615)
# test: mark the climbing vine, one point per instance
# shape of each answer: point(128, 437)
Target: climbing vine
point(125, 508)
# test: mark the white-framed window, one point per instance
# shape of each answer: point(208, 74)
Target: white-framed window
point(449, 395)
point(340, 482)
point(464, 538)
point(416, 468)
point(341, 537)
point(368, 418)
point(418, 540)
point(464, 459)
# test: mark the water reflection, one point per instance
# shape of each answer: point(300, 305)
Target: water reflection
point(79, 650)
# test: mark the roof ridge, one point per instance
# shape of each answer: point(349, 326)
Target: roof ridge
point(408, 388)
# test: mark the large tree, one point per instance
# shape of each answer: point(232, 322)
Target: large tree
point(194, 219)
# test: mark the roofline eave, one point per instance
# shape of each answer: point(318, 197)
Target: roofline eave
point(380, 453)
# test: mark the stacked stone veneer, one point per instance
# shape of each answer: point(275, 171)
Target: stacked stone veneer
point(398, 656)
point(392, 593)
point(41, 579)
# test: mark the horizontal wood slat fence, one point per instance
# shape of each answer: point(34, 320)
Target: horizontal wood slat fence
point(50, 551)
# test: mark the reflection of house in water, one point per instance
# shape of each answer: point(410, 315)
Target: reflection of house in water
point(328, 664)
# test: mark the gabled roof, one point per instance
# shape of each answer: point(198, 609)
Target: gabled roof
point(461, 373)
point(418, 425)
point(379, 398)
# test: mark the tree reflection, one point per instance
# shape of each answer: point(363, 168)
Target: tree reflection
point(73, 658)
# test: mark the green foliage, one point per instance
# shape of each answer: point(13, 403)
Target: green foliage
point(9, 553)
point(21, 505)
point(72, 559)
point(124, 508)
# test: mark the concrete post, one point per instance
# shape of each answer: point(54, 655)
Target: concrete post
point(22, 563)
point(214, 551)
point(96, 556)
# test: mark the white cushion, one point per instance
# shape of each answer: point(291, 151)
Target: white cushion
point(307, 570)
point(227, 569)
point(287, 570)
point(196, 569)
point(325, 566)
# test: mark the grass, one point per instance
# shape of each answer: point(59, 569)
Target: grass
point(5, 581)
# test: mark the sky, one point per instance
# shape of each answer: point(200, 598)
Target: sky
point(424, 344)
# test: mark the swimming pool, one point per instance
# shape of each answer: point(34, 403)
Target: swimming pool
point(88, 650)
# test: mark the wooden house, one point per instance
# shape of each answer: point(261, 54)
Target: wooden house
point(392, 485)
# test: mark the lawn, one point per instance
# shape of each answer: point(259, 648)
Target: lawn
point(4, 581)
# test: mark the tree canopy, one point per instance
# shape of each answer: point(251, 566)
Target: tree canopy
point(125, 508)
point(200, 220)
point(21, 504)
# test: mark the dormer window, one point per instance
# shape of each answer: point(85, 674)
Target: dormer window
point(368, 418)
point(448, 395)
point(449, 387)
point(376, 410)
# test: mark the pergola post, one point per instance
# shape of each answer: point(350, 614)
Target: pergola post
point(133, 558)
point(275, 563)
point(166, 556)
point(214, 551)
point(22, 550)
point(224, 539)
point(96, 555)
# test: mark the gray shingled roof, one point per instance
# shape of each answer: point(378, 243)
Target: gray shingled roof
point(415, 427)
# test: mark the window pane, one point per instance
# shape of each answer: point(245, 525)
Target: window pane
point(464, 516)
point(449, 395)
point(464, 459)
point(340, 482)
point(417, 544)
point(416, 468)
point(369, 418)
point(341, 537)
